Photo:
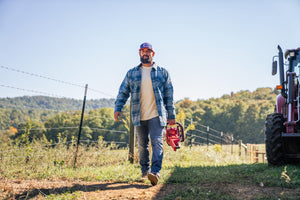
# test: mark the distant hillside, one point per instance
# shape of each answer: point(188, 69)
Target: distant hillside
point(240, 115)
point(52, 103)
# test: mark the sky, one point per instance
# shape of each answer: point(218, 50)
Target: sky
point(210, 48)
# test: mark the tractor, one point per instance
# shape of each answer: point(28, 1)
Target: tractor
point(282, 128)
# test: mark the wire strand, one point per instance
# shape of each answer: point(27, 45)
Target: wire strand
point(33, 91)
point(53, 79)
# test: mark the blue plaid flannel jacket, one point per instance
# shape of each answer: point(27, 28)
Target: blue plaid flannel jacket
point(163, 92)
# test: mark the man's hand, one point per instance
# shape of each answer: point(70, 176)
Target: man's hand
point(171, 121)
point(117, 115)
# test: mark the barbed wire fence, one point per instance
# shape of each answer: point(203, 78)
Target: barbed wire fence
point(206, 135)
point(78, 141)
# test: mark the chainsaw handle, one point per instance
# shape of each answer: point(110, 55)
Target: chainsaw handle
point(182, 133)
point(180, 129)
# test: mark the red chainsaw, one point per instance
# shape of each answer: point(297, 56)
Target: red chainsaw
point(174, 135)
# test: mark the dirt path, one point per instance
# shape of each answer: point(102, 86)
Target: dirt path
point(38, 189)
point(20, 189)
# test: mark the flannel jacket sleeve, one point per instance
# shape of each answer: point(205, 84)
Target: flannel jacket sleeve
point(123, 95)
point(168, 97)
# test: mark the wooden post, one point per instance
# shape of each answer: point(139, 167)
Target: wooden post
point(249, 151)
point(221, 138)
point(232, 144)
point(256, 156)
point(207, 143)
point(190, 142)
point(240, 147)
point(131, 139)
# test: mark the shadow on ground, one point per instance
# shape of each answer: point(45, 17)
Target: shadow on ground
point(253, 181)
point(256, 181)
point(117, 186)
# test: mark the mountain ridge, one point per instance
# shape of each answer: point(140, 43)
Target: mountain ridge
point(53, 103)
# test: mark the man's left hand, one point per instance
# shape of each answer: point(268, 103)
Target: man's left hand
point(171, 121)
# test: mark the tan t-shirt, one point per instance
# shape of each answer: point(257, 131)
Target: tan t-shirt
point(148, 109)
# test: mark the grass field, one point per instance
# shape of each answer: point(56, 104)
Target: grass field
point(197, 172)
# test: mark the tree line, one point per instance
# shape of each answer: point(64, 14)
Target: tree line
point(241, 114)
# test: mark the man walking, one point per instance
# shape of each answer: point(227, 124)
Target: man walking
point(151, 92)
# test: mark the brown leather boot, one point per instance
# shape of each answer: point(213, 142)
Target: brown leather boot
point(153, 178)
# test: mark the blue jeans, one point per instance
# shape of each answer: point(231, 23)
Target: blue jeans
point(153, 130)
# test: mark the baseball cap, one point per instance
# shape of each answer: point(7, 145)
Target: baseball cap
point(146, 45)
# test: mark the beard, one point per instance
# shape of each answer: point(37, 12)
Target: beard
point(146, 59)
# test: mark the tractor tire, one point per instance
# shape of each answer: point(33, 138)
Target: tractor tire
point(274, 143)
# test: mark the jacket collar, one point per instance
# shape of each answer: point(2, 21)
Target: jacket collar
point(154, 66)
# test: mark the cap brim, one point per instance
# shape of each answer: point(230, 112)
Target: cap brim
point(146, 48)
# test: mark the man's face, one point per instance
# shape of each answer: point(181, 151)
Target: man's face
point(146, 55)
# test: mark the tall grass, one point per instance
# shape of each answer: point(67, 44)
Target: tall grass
point(99, 160)
point(190, 167)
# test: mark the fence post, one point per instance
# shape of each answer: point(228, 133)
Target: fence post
point(256, 156)
point(249, 152)
point(240, 147)
point(191, 133)
point(131, 138)
point(207, 128)
point(80, 126)
point(221, 138)
point(232, 144)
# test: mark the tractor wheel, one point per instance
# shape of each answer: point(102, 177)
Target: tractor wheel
point(274, 144)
